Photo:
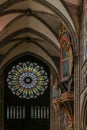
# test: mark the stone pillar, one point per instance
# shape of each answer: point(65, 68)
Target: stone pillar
point(83, 57)
point(1, 102)
point(76, 93)
point(55, 120)
point(51, 106)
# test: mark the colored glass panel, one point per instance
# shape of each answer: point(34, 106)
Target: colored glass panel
point(27, 80)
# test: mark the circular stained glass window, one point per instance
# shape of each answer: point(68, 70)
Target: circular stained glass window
point(27, 80)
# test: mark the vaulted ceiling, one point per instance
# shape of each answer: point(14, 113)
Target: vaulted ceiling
point(32, 26)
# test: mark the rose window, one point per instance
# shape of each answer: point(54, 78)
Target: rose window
point(27, 80)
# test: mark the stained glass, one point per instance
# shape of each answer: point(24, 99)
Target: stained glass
point(27, 80)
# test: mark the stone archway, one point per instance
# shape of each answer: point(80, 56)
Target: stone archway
point(33, 111)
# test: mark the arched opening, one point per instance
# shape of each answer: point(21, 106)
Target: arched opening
point(27, 94)
point(33, 27)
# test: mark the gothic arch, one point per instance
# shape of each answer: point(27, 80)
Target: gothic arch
point(54, 11)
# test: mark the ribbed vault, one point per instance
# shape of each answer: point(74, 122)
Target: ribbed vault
point(31, 25)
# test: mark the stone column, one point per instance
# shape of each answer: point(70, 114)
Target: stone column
point(1, 102)
point(51, 107)
point(83, 56)
point(76, 92)
point(55, 119)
